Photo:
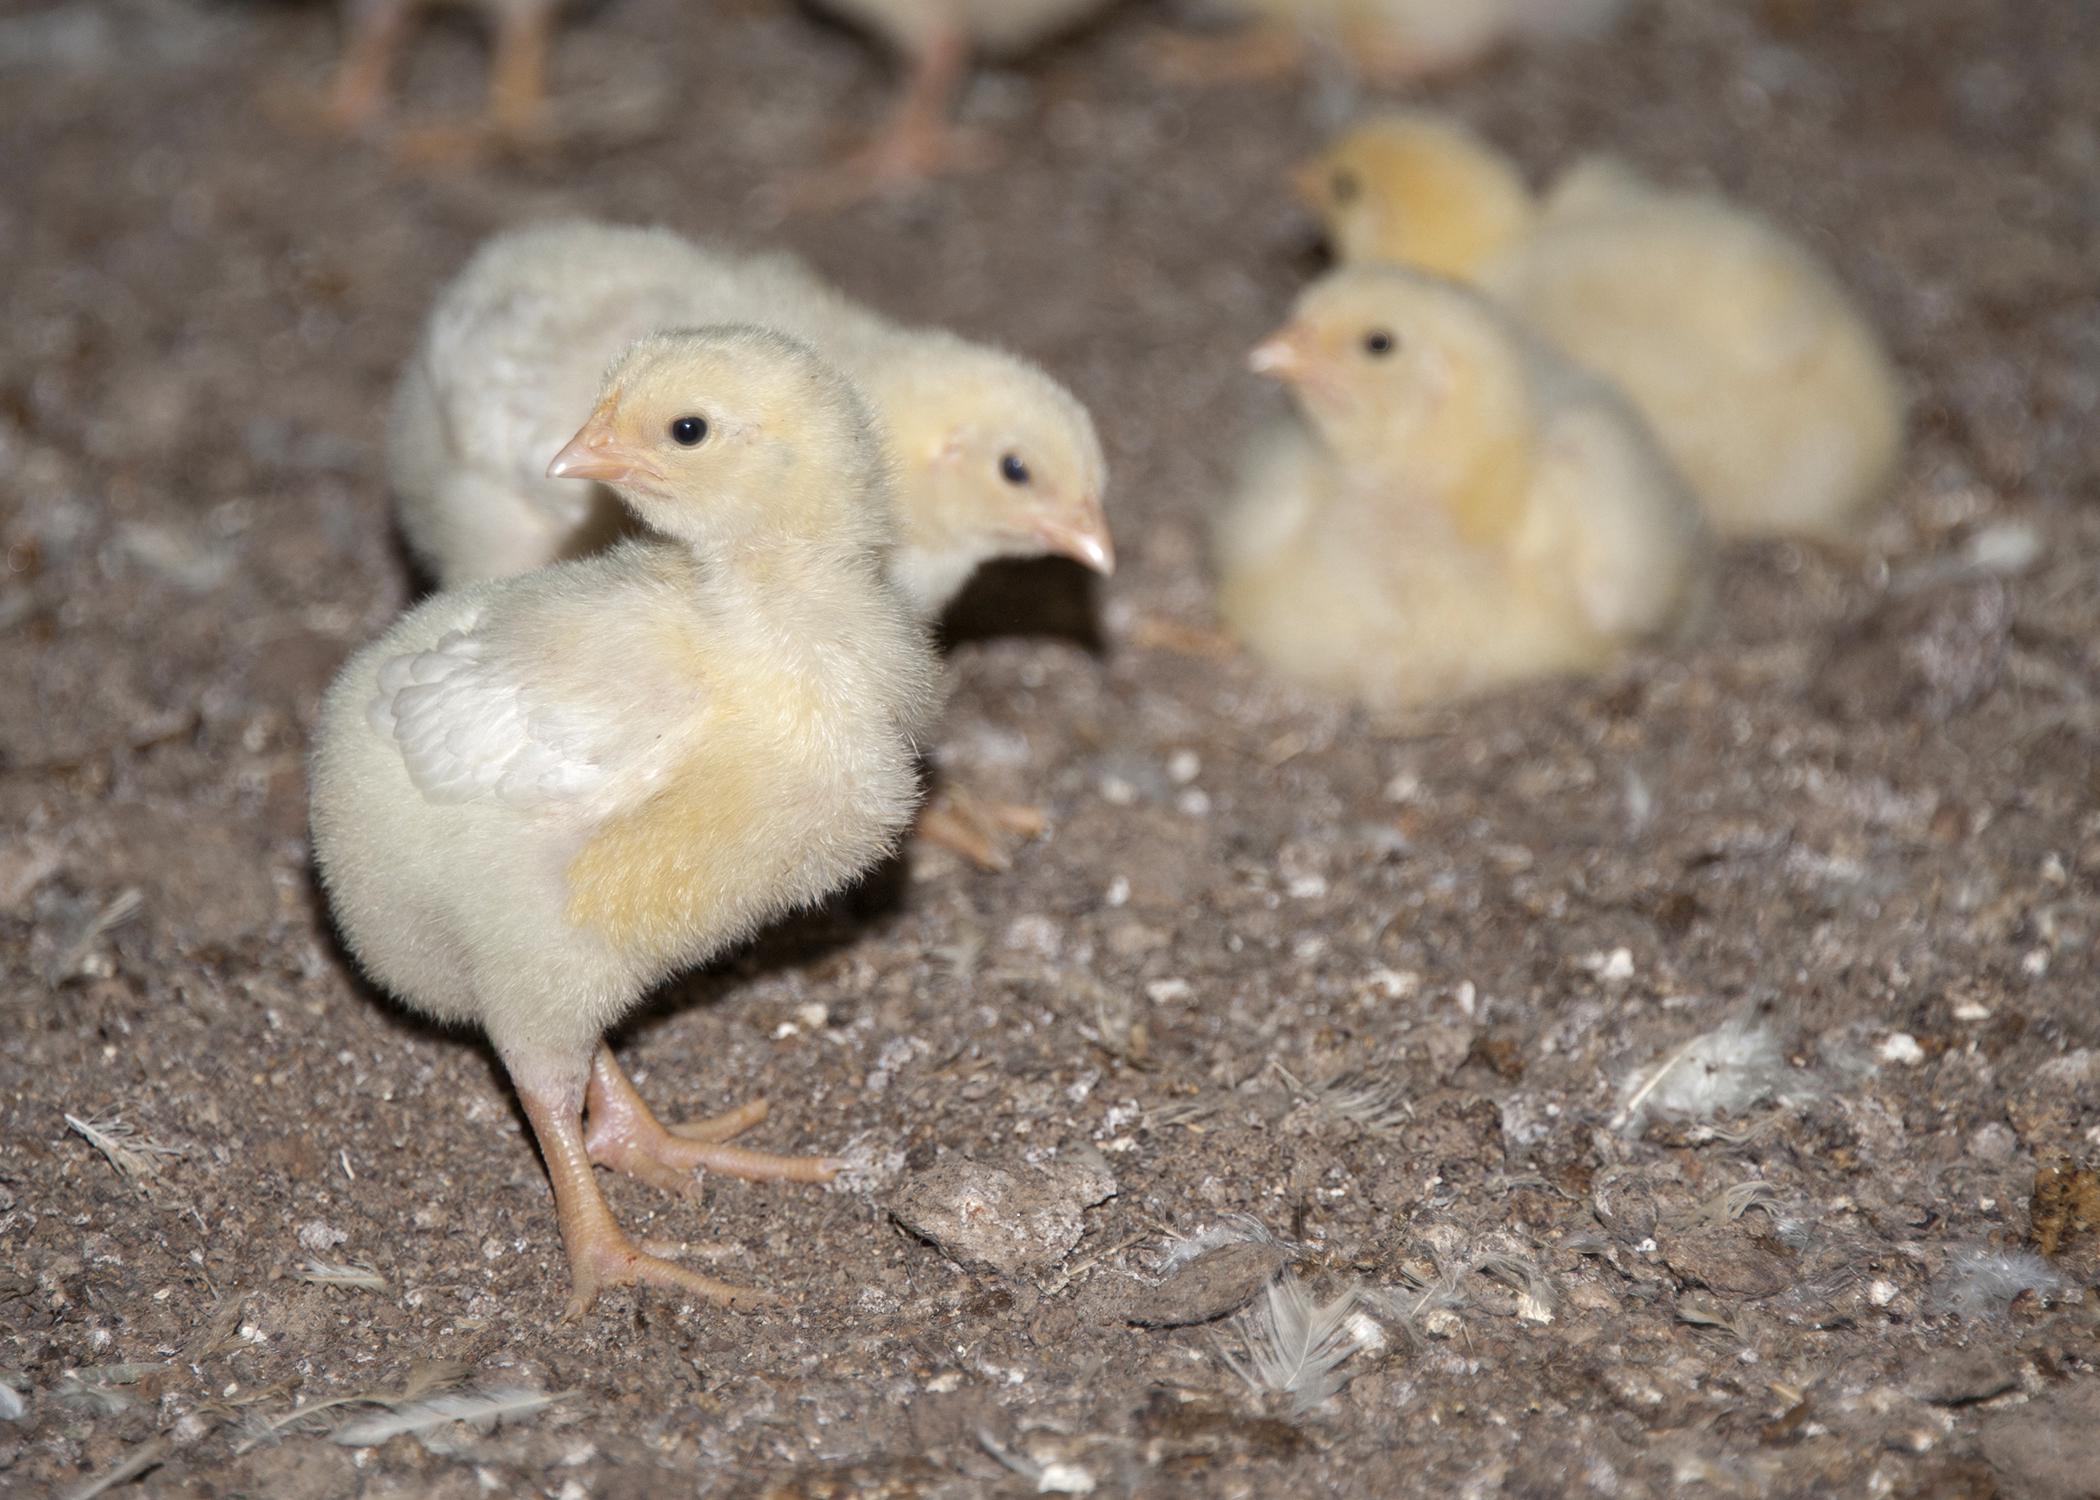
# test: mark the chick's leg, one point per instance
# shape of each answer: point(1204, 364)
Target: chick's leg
point(374, 31)
point(980, 831)
point(517, 95)
point(600, 1253)
point(920, 139)
point(625, 1136)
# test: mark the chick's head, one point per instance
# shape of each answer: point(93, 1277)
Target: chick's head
point(994, 458)
point(1416, 190)
point(715, 434)
point(1414, 382)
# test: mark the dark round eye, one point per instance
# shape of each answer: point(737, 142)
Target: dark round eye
point(1012, 470)
point(1345, 186)
point(1378, 343)
point(687, 432)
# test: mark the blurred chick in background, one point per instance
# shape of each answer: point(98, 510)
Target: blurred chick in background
point(1764, 383)
point(1390, 41)
point(992, 457)
point(535, 798)
point(938, 40)
point(1459, 508)
point(374, 32)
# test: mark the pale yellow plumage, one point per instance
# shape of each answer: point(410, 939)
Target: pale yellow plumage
point(535, 797)
point(1764, 383)
point(514, 347)
point(1455, 509)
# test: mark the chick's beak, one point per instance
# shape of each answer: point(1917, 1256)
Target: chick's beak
point(1083, 537)
point(596, 453)
point(1284, 355)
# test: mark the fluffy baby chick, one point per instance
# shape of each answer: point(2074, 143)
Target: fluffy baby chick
point(1390, 40)
point(536, 797)
point(1459, 509)
point(374, 31)
point(938, 40)
point(992, 457)
point(1763, 381)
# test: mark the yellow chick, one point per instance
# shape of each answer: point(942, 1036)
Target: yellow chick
point(1764, 383)
point(374, 32)
point(992, 457)
point(1459, 509)
point(1390, 40)
point(535, 798)
point(938, 40)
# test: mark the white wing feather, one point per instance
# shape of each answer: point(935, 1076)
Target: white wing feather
point(466, 729)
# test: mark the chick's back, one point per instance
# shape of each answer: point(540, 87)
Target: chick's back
point(1765, 385)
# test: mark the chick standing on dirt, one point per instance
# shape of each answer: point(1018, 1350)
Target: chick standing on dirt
point(1460, 509)
point(535, 798)
point(992, 457)
point(374, 31)
point(1763, 382)
point(938, 40)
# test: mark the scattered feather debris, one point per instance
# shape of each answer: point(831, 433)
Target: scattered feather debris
point(12, 1406)
point(1424, 1306)
point(73, 957)
point(475, 1408)
point(1233, 1229)
point(1534, 1291)
point(1721, 1072)
point(1372, 1101)
point(1983, 1283)
point(1054, 1478)
point(323, 1273)
point(424, 1379)
point(1292, 1346)
point(136, 1157)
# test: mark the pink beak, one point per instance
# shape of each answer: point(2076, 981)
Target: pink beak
point(595, 453)
point(1283, 355)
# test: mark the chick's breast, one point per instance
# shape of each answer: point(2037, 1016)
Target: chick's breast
point(532, 798)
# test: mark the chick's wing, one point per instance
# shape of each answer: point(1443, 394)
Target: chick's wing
point(467, 727)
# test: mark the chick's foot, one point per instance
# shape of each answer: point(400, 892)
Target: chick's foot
point(625, 1136)
point(979, 830)
point(600, 1253)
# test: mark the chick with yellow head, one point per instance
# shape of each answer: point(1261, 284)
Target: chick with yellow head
point(1763, 381)
point(536, 797)
point(1454, 509)
point(992, 458)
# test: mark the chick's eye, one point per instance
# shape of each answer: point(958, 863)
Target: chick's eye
point(687, 432)
point(1378, 343)
point(1345, 187)
point(1012, 470)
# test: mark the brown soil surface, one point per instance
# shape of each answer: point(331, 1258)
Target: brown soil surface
point(1862, 814)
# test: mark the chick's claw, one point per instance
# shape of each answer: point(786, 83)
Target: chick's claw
point(625, 1136)
point(601, 1256)
point(726, 1126)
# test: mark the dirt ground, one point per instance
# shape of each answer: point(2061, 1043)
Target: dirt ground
point(1861, 817)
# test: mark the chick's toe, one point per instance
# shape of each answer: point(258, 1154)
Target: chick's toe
point(600, 1253)
point(979, 830)
point(626, 1137)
